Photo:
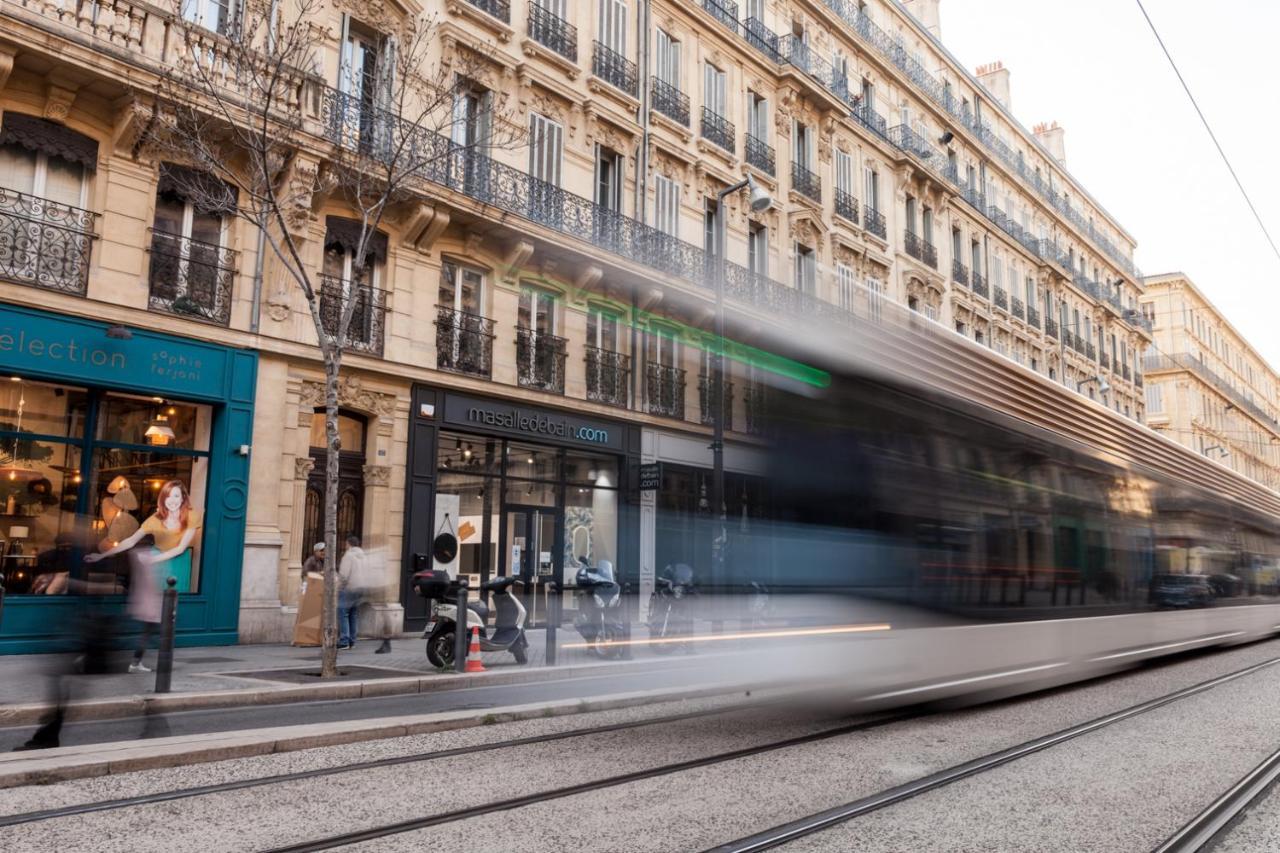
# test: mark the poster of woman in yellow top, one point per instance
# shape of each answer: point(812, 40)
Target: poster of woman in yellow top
point(173, 527)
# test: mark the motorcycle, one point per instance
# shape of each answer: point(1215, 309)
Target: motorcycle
point(508, 630)
point(671, 610)
point(599, 610)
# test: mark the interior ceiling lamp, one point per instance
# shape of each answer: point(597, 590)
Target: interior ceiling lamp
point(159, 433)
point(15, 472)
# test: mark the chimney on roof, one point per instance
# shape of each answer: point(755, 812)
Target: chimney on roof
point(1051, 136)
point(926, 12)
point(995, 77)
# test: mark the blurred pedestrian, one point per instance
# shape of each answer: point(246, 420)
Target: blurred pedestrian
point(352, 581)
point(314, 564)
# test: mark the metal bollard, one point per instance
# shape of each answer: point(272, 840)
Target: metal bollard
point(626, 621)
point(168, 624)
point(554, 614)
point(460, 636)
point(1, 603)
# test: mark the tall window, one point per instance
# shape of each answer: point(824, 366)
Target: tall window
point(806, 270)
point(1031, 292)
point(875, 298)
point(911, 214)
point(755, 9)
point(364, 70)
point(710, 227)
point(975, 257)
point(713, 89)
point(463, 335)
point(190, 271)
point(612, 25)
point(667, 209)
point(461, 289)
point(845, 285)
point(667, 60)
point(546, 144)
point(216, 15)
point(537, 312)
point(471, 112)
point(608, 178)
point(37, 172)
point(871, 193)
point(804, 146)
point(758, 249)
point(926, 224)
point(997, 271)
point(844, 172)
point(758, 116)
point(957, 245)
point(602, 328)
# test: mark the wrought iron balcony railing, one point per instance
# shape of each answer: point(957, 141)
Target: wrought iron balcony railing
point(500, 9)
point(911, 243)
point(45, 243)
point(608, 377)
point(866, 116)
point(1186, 361)
point(795, 51)
point(664, 390)
point(1019, 309)
point(1137, 379)
point(368, 315)
point(718, 130)
point(1090, 352)
point(959, 273)
point(191, 278)
point(1124, 371)
point(707, 387)
point(873, 221)
point(540, 360)
point(1104, 360)
point(980, 284)
point(755, 406)
point(614, 69)
point(549, 29)
point(805, 182)
point(464, 342)
point(1051, 327)
point(1033, 317)
point(1002, 298)
point(761, 38)
point(928, 253)
point(760, 155)
point(724, 11)
point(670, 101)
point(846, 206)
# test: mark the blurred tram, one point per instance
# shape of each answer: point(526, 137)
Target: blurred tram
point(1005, 533)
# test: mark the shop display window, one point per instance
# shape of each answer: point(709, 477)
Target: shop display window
point(84, 470)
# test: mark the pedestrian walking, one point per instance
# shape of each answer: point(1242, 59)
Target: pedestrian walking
point(353, 580)
point(314, 564)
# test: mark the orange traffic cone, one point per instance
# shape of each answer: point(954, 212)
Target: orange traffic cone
point(473, 653)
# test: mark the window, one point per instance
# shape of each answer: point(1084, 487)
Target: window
point(602, 328)
point(957, 242)
point(343, 280)
point(546, 141)
point(363, 70)
point(472, 110)
point(997, 271)
point(871, 196)
point(540, 355)
point(758, 249)
point(875, 298)
point(667, 211)
point(713, 89)
point(461, 289)
point(975, 257)
point(1031, 291)
point(612, 25)
point(755, 10)
point(608, 178)
point(911, 214)
point(190, 273)
point(757, 116)
point(114, 476)
point(845, 286)
point(1155, 398)
point(803, 152)
point(41, 174)
point(926, 225)
point(216, 15)
point(844, 172)
point(537, 312)
point(667, 60)
point(711, 227)
point(806, 270)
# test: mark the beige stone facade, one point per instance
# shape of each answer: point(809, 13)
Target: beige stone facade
point(1207, 388)
point(895, 174)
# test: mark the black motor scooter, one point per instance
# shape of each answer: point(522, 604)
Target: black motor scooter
point(671, 610)
point(599, 618)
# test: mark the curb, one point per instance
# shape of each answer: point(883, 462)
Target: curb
point(107, 759)
point(137, 705)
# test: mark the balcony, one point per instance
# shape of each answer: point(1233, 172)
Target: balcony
point(761, 38)
point(1051, 327)
point(608, 377)
point(670, 101)
point(805, 182)
point(1019, 309)
point(500, 9)
point(718, 130)
point(44, 243)
point(866, 116)
point(550, 30)
point(1124, 371)
point(1090, 352)
point(1185, 361)
point(464, 342)
point(980, 285)
point(614, 69)
point(707, 394)
point(929, 253)
point(1104, 360)
point(760, 155)
point(912, 244)
point(1033, 317)
point(540, 360)
point(873, 221)
point(846, 206)
point(368, 314)
point(724, 11)
point(191, 278)
point(794, 51)
point(959, 273)
point(1002, 298)
point(664, 390)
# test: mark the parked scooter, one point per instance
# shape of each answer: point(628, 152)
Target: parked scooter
point(508, 630)
point(599, 619)
point(671, 610)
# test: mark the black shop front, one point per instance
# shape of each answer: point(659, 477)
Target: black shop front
point(528, 491)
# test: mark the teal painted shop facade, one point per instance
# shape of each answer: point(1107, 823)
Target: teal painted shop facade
point(94, 429)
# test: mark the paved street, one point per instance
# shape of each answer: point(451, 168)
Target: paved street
point(720, 770)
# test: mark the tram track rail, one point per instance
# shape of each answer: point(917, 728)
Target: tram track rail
point(1233, 803)
point(18, 819)
point(1214, 823)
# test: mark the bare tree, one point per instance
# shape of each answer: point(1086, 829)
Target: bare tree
point(266, 140)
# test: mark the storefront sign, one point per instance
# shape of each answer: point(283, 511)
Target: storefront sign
point(535, 424)
point(650, 478)
point(75, 350)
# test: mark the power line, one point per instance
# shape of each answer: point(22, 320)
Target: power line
point(1212, 136)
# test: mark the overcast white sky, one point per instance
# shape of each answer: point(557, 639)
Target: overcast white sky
point(1133, 138)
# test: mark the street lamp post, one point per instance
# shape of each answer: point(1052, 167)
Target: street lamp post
point(760, 200)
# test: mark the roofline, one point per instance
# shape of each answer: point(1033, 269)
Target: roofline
point(999, 107)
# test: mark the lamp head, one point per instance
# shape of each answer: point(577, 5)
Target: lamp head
point(1103, 385)
point(760, 198)
point(946, 137)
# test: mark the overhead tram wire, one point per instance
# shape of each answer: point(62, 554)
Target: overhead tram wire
point(1212, 135)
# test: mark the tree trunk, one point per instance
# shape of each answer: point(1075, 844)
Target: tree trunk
point(329, 616)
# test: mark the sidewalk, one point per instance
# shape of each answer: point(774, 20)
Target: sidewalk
point(222, 676)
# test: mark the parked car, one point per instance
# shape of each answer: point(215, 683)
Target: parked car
point(1182, 591)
